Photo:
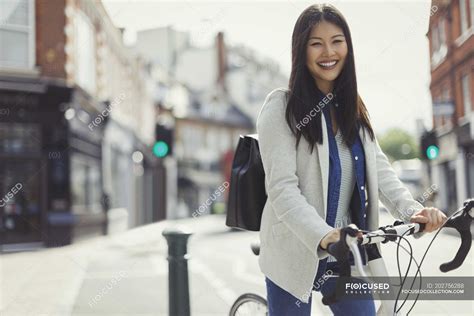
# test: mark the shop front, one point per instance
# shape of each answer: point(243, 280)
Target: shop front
point(22, 162)
point(50, 175)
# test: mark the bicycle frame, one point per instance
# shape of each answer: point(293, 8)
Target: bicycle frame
point(351, 237)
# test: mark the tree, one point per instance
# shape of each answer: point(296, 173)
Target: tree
point(398, 144)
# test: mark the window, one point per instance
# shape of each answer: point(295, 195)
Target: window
point(463, 15)
point(445, 95)
point(471, 4)
point(438, 40)
point(443, 107)
point(17, 34)
point(466, 95)
point(442, 32)
point(85, 70)
point(435, 39)
point(18, 139)
point(20, 213)
point(85, 184)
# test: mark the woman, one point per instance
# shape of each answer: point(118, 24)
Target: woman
point(324, 168)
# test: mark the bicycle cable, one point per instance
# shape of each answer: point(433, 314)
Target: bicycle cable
point(418, 271)
point(426, 252)
point(404, 278)
point(395, 310)
point(412, 258)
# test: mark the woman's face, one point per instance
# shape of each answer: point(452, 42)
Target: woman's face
point(326, 53)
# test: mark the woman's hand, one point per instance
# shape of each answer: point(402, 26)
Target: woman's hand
point(431, 216)
point(333, 236)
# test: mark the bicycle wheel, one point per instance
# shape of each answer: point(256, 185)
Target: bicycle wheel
point(249, 304)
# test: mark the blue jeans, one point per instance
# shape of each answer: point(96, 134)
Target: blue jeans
point(282, 303)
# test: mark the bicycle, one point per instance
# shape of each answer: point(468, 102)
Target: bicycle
point(352, 237)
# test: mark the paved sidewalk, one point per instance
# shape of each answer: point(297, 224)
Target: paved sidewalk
point(51, 281)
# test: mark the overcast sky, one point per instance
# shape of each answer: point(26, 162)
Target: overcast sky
point(389, 38)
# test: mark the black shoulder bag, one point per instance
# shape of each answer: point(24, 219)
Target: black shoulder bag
point(247, 195)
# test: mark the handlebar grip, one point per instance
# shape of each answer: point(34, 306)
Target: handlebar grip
point(462, 223)
point(340, 250)
point(466, 241)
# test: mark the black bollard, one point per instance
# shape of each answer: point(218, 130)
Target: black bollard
point(178, 271)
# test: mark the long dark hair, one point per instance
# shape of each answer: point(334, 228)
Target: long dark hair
point(305, 96)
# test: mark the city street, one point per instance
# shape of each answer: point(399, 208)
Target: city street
point(114, 129)
point(126, 274)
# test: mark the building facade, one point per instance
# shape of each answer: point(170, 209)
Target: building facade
point(451, 41)
point(76, 123)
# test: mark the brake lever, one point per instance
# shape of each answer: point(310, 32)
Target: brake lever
point(462, 223)
point(357, 257)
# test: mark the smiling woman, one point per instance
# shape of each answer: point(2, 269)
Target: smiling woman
point(323, 169)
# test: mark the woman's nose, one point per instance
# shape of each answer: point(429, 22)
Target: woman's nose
point(328, 50)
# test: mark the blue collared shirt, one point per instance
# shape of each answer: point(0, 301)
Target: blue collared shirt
point(334, 181)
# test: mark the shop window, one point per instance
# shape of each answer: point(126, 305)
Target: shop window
point(86, 186)
point(18, 138)
point(20, 216)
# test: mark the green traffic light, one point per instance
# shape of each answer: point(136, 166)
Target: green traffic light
point(432, 152)
point(160, 149)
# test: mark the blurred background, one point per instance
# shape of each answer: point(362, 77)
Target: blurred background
point(117, 114)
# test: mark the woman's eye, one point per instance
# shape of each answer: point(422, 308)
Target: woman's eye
point(338, 41)
point(314, 44)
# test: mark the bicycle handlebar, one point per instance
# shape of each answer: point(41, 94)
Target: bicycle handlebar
point(462, 223)
point(350, 236)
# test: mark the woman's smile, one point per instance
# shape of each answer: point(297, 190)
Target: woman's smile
point(328, 65)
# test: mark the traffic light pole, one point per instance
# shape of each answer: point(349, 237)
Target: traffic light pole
point(429, 171)
point(160, 191)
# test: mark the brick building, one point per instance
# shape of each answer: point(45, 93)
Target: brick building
point(450, 34)
point(74, 109)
